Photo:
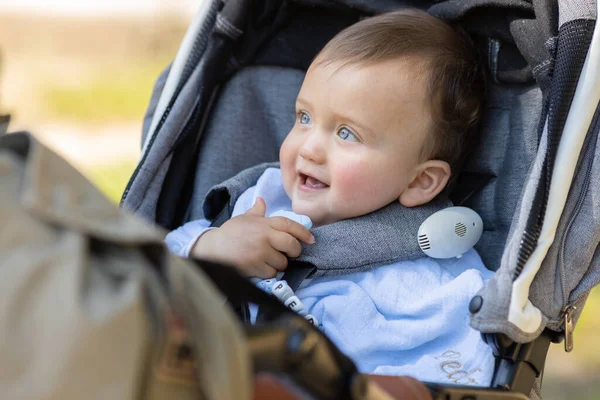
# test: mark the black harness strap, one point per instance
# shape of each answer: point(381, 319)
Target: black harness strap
point(297, 272)
point(239, 290)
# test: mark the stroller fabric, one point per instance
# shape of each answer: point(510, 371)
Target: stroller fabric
point(559, 282)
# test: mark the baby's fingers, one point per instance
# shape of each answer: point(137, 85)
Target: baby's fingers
point(285, 243)
point(264, 271)
point(276, 260)
point(286, 225)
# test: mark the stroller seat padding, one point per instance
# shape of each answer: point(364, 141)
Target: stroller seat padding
point(251, 117)
point(507, 147)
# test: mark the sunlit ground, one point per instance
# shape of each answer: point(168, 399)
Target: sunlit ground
point(82, 87)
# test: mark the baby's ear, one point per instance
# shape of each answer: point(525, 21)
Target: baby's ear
point(432, 177)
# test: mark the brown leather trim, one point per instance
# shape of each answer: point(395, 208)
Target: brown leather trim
point(269, 387)
point(402, 387)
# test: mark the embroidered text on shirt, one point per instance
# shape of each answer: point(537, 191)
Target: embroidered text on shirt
point(451, 367)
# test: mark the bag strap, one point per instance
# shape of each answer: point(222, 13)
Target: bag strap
point(240, 290)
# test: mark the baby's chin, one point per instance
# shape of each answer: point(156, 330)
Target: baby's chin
point(317, 217)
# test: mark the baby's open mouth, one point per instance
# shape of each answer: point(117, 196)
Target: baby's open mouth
point(313, 183)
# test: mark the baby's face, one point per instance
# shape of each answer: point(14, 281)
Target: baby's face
point(357, 141)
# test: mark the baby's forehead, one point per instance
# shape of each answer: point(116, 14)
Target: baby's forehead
point(398, 80)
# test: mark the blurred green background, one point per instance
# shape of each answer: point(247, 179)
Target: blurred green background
point(81, 82)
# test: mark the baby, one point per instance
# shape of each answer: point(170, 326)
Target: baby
point(386, 112)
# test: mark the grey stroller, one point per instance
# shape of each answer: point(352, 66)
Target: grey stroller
point(534, 178)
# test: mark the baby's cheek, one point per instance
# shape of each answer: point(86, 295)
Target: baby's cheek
point(285, 152)
point(352, 180)
point(287, 157)
point(363, 187)
point(287, 161)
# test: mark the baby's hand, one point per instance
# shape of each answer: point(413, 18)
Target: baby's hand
point(256, 245)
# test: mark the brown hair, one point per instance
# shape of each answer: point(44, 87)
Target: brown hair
point(449, 63)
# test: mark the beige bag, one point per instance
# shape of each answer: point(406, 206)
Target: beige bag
point(92, 306)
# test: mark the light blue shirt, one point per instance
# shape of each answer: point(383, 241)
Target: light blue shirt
point(406, 318)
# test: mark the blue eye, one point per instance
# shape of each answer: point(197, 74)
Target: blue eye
point(304, 118)
point(345, 134)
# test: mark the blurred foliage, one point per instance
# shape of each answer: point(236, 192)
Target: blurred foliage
point(588, 329)
point(83, 70)
point(111, 179)
point(117, 94)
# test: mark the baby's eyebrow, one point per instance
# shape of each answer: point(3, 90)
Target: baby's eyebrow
point(354, 123)
point(300, 100)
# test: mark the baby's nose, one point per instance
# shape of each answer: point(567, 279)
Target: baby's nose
point(313, 149)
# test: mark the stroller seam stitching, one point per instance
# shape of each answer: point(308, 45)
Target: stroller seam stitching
point(577, 209)
point(227, 27)
point(541, 65)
